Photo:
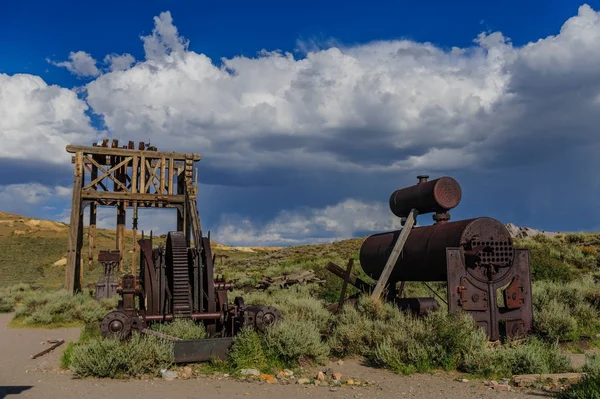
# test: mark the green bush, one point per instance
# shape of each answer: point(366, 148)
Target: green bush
point(566, 310)
point(109, 358)
point(7, 304)
point(587, 388)
point(299, 302)
point(294, 340)
point(181, 328)
point(247, 351)
point(60, 307)
point(592, 364)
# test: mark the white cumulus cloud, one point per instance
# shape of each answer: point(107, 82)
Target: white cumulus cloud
point(119, 62)
point(80, 64)
point(38, 120)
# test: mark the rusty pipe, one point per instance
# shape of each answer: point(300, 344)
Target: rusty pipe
point(195, 316)
point(439, 195)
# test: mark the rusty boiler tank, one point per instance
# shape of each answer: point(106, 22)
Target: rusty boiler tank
point(485, 274)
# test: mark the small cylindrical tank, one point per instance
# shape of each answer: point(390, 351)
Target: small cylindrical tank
point(423, 258)
point(439, 195)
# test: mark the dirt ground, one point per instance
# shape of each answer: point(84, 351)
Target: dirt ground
point(21, 376)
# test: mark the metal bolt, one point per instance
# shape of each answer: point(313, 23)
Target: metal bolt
point(422, 178)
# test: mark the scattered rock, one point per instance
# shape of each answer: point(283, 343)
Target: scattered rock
point(525, 380)
point(187, 372)
point(562, 377)
point(320, 376)
point(317, 382)
point(463, 380)
point(340, 362)
point(501, 387)
point(268, 378)
point(349, 381)
point(337, 376)
point(250, 372)
point(303, 381)
point(288, 373)
point(169, 375)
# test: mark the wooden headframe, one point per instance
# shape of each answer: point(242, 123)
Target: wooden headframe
point(126, 177)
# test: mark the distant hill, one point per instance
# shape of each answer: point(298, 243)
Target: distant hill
point(34, 250)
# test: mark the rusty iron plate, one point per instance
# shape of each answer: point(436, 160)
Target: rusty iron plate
point(202, 350)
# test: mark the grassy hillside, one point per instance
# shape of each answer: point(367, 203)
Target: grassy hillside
point(33, 251)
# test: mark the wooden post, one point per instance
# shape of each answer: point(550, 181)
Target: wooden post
point(121, 232)
point(389, 266)
point(345, 285)
point(92, 226)
point(92, 236)
point(72, 272)
point(135, 244)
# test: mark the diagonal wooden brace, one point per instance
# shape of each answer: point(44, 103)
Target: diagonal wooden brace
point(389, 266)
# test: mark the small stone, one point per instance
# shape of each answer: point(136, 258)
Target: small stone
point(336, 382)
point(329, 371)
point(320, 376)
point(169, 375)
point(333, 389)
point(288, 373)
point(337, 376)
point(250, 372)
point(225, 375)
point(349, 381)
point(500, 387)
point(340, 362)
point(463, 380)
point(317, 382)
point(268, 378)
point(302, 381)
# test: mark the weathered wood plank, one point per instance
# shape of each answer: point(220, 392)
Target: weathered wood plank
point(391, 262)
point(128, 153)
point(127, 196)
point(71, 272)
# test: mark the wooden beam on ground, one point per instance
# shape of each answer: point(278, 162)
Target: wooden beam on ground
point(389, 266)
point(352, 279)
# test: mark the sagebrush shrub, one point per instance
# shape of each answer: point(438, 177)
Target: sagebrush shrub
point(110, 358)
point(294, 340)
point(247, 351)
point(181, 328)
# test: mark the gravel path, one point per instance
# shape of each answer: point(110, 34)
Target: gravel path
point(21, 376)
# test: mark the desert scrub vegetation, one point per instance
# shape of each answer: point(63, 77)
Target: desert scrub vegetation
point(58, 308)
point(11, 295)
point(566, 310)
point(181, 328)
point(102, 358)
point(407, 344)
point(562, 258)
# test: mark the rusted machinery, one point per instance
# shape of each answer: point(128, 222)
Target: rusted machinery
point(176, 281)
point(172, 281)
point(485, 274)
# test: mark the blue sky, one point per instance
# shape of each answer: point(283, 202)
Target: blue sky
point(306, 141)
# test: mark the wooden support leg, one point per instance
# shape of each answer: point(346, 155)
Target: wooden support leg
point(73, 251)
point(121, 232)
point(389, 266)
point(92, 237)
point(135, 244)
point(345, 285)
